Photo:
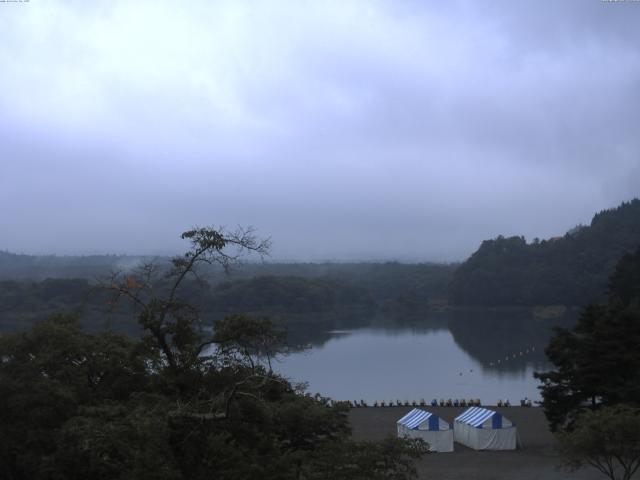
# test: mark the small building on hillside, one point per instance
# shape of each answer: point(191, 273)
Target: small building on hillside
point(429, 427)
point(483, 429)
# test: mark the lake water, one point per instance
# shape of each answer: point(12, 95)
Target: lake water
point(486, 353)
point(490, 358)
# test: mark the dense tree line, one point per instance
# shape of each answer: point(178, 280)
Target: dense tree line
point(48, 294)
point(39, 267)
point(384, 281)
point(287, 294)
point(571, 270)
point(592, 397)
point(174, 404)
point(597, 362)
point(318, 292)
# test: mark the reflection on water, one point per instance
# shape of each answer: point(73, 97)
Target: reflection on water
point(486, 354)
point(505, 340)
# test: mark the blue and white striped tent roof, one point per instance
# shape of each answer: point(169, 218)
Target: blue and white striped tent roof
point(477, 416)
point(417, 418)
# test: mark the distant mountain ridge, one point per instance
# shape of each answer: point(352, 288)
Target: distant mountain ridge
point(569, 270)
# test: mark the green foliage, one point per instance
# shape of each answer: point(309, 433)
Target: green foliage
point(47, 375)
point(240, 338)
point(116, 441)
point(597, 362)
point(569, 270)
point(288, 294)
point(37, 268)
point(175, 404)
point(298, 296)
point(48, 294)
point(608, 439)
point(624, 284)
point(388, 459)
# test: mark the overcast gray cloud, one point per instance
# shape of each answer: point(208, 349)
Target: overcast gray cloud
point(343, 129)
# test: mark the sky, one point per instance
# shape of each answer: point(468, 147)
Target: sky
point(345, 130)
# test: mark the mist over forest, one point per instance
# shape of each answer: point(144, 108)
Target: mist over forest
point(568, 271)
point(256, 239)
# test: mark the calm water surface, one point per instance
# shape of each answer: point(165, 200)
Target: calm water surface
point(408, 364)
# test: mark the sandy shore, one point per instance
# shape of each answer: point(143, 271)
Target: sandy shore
point(534, 460)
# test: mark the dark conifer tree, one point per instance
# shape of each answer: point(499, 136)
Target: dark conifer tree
point(597, 361)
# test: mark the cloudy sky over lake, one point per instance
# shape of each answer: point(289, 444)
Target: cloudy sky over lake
point(345, 130)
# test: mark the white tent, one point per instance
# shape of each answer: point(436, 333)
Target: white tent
point(483, 429)
point(429, 427)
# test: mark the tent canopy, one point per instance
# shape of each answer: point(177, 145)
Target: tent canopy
point(483, 429)
point(479, 417)
point(428, 427)
point(418, 419)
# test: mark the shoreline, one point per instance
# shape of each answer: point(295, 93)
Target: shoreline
point(534, 459)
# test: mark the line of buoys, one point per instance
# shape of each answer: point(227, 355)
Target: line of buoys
point(434, 403)
point(472, 402)
point(512, 356)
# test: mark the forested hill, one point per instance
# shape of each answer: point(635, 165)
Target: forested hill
point(39, 267)
point(31, 288)
point(569, 270)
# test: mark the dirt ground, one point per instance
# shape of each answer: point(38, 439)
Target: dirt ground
point(534, 460)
